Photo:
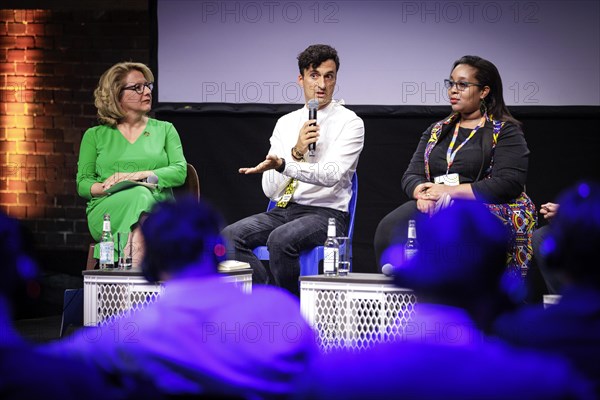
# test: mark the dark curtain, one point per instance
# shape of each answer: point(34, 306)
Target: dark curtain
point(218, 139)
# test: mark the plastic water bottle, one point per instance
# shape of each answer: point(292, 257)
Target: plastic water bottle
point(107, 245)
point(331, 251)
point(411, 247)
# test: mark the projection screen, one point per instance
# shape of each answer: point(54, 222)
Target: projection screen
point(391, 52)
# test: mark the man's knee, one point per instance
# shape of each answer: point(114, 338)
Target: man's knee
point(284, 243)
point(227, 231)
point(232, 236)
point(275, 242)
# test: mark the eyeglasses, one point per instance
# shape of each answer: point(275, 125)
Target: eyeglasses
point(139, 87)
point(460, 85)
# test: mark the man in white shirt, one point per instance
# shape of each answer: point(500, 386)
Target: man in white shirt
point(309, 186)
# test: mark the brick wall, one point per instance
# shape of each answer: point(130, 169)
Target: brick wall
point(50, 62)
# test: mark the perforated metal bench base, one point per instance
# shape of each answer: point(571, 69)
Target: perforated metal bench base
point(109, 294)
point(356, 311)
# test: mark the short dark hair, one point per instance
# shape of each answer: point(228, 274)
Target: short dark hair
point(487, 74)
point(178, 234)
point(315, 55)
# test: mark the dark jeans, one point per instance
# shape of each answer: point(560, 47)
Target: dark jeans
point(552, 282)
point(392, 229)
point(286, 232)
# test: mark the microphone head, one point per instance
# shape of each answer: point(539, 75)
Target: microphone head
point(152, 179)
point(313, 104)
point(387, 269)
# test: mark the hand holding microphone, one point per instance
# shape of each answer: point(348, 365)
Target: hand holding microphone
point(151, 179)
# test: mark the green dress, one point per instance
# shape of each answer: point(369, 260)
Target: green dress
point(104, 151)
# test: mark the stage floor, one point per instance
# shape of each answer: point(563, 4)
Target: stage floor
point(39, 330)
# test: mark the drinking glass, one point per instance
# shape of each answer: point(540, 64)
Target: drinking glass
point(125, 260)
point(344, 255)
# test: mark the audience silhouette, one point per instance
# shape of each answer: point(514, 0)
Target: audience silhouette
point(572, 327)
point(203, 336)
point(25, 371)
point(460, 279)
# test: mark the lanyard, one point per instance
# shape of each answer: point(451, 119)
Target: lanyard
point(451, 154)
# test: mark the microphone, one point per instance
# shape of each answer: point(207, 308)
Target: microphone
point(151, 179)
point(313, 105)
point(387, 269)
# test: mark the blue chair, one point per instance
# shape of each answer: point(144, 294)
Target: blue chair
point(309, 259)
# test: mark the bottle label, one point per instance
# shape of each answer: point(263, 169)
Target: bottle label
point(107, 252)
point(409, 253)
point(330, 260)
point(331, 231)
point(412, 232)
point(106, 226)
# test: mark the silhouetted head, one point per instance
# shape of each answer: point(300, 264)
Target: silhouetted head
point(570, 246)
point(462, 256)
point(16, 266)
point(182, 235)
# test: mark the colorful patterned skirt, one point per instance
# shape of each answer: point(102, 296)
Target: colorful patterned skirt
point(520, 217)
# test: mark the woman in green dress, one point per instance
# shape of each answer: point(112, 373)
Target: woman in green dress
point(127, 146)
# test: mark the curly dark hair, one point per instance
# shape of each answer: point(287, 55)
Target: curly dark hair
point(315, 55)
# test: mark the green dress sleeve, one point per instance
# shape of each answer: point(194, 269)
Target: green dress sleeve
point(86, 165)
point(175, 172)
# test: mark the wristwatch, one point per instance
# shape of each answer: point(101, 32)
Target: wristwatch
point(297, 155)
point(282, 166)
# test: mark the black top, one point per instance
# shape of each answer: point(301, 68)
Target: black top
point(509, 171)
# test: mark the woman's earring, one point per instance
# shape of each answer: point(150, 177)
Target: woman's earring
point(482, 107)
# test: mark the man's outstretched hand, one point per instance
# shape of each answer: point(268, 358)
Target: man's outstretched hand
point(270, 162)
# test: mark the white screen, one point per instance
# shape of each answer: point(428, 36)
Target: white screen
point(391, 52)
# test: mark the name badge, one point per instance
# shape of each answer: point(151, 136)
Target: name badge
point(286, 198)
point(448, 179)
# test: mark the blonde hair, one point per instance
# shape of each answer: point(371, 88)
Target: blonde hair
point(110, 86)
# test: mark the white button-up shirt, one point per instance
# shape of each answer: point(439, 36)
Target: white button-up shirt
point(325, 179)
